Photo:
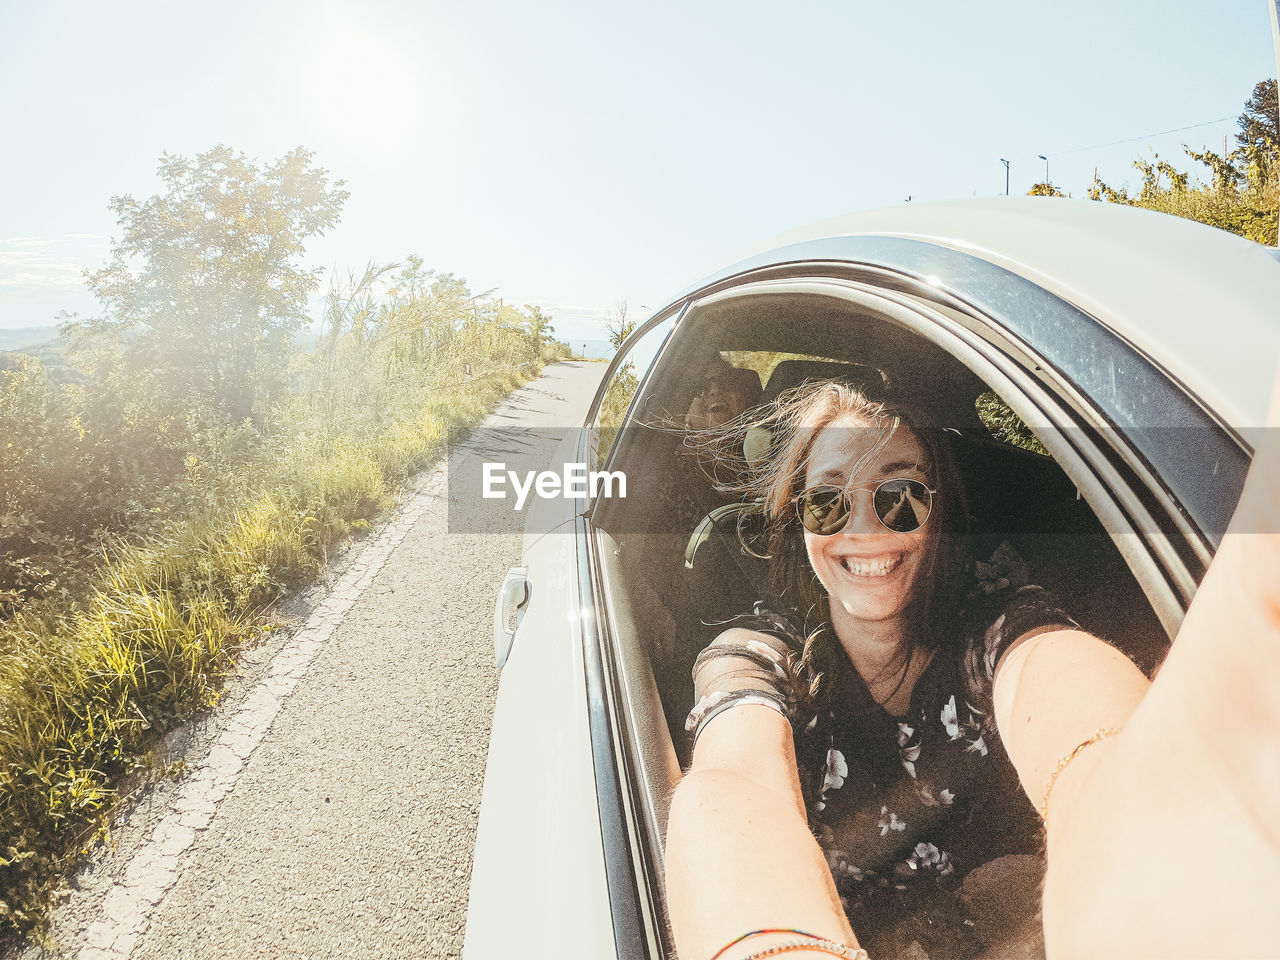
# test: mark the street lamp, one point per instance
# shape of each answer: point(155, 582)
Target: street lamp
point(1006, 175)
point(1046, 167)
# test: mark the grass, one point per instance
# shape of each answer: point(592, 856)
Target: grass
point(86, 686)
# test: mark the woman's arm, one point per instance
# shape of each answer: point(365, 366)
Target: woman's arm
point(1164, 840)
point(740, 855)
point(1054, 690)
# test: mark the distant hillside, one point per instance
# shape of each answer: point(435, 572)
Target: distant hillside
point(52, 357)
point(22, 338)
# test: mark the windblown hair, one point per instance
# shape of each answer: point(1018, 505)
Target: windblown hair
point(771, 479)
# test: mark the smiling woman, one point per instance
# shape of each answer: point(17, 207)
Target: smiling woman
point(878, 552)
point(881, 666)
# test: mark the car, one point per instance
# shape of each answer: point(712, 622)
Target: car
point(1100, 371)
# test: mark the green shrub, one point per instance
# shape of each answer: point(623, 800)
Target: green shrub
point(219, 521)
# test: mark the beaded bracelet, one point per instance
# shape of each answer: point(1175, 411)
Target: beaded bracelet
point(810, 941)
point(1099, 734)
point(823, 946)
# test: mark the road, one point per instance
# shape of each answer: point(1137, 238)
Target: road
point(328, 807)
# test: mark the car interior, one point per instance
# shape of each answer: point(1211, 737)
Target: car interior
point(676, 563)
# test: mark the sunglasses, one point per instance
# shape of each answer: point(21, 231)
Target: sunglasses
point(722, 383)
point(902, 505)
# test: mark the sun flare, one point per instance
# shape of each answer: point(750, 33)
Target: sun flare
point(360, 88)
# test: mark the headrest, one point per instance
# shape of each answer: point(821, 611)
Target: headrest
point(755, 447)
point(742, 379)
point(791, 373)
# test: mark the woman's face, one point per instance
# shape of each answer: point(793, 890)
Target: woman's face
point(717, 403)
point(868, 570)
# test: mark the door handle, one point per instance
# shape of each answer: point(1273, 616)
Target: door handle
point(513, 595)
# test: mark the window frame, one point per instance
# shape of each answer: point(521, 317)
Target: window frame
point(1026, 381)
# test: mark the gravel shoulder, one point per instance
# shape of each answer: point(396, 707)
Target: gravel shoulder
point(328, 807)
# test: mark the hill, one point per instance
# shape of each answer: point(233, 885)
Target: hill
point(23, 338)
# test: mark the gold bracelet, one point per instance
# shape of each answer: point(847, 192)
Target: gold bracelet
point(1099, 734)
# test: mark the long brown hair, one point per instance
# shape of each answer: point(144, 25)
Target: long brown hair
point(785, 432)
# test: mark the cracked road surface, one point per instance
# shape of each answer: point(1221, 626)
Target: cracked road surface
point(328, 808)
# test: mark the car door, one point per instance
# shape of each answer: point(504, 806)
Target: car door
point(551, 851)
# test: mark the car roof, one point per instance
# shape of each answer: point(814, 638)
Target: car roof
point(1200, 302)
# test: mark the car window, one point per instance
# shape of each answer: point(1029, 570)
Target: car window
point(622, 386)
point(1005, 425)
point(681, 558)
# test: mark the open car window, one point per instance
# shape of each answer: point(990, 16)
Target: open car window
point(680, 563)
point(620, 389)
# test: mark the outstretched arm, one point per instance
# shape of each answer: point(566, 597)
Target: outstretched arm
point(1163, 839)
point(740, 856)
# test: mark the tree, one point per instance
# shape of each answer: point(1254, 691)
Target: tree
point(1045, 190)
point(1260, 121)
point(539, 323)
point(203, 292)
point(1244, 191)
point(618, 325)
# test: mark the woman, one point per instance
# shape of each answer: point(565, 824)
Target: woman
point(878, 635)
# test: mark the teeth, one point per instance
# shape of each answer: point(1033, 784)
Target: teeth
point(870, 568)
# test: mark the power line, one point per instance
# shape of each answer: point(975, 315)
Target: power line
point(1146, 136)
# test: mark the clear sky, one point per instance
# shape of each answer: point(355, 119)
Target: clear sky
point(573, 153)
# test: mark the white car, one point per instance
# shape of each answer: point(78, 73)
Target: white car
point(1138, 348)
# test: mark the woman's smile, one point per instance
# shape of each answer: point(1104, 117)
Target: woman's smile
point(868, 570)
point(880, 566)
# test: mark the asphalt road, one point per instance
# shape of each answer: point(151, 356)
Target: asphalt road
point(328, 807)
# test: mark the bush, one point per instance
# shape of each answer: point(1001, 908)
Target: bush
point(182, 531)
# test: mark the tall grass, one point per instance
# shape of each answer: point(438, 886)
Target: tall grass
point(88, 681)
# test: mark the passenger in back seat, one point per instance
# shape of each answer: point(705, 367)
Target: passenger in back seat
point(687, 495)
point(688, 491)
point(727, 392)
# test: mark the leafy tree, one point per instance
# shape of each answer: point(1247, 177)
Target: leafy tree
point(539, 323)
point(1244, 189)
point(1260, 122)
point(203, 291)
point(1045, 190)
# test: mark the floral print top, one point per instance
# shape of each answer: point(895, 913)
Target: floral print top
point(898, 803)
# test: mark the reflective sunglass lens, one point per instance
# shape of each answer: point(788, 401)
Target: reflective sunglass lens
point(902, 505)
point(824, 510)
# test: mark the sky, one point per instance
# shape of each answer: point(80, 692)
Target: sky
point(576, 154)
